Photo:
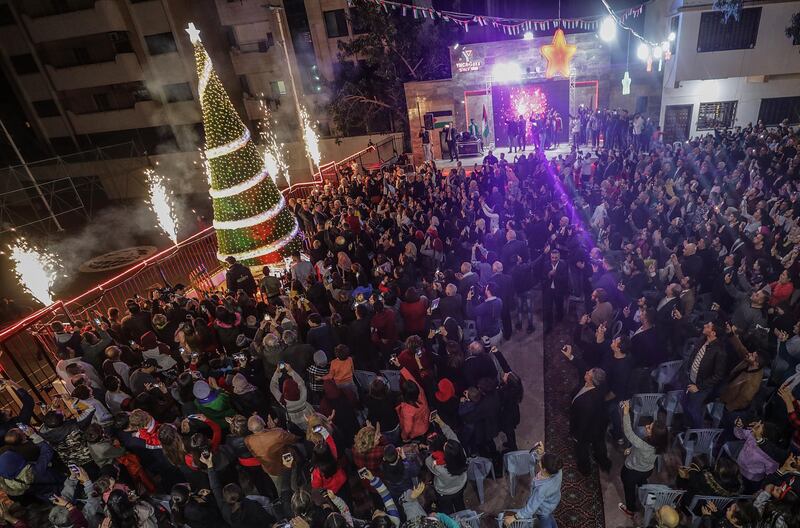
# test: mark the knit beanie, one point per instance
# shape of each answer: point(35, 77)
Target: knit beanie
point(320, 358)
point(291, 392)
point(446, 390)
point(201, 390)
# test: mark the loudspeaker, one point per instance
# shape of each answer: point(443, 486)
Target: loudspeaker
point(428, 121)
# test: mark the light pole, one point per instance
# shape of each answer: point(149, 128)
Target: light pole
point(278, 10)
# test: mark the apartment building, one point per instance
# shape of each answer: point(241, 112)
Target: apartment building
point(730, 74)
point(92, 73)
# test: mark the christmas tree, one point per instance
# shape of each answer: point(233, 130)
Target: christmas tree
point(250, 217)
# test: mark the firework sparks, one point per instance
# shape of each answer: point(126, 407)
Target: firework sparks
point(36, 270)
point(160, 202)
point(310, 138)
point(274, 160)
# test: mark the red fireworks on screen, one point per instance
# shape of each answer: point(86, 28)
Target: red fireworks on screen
point(527, 100)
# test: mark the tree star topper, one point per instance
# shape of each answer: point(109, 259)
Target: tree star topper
point(558, 55)
point(194, 33)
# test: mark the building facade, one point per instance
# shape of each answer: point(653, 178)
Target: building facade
point(88, 74)
point(730, 74)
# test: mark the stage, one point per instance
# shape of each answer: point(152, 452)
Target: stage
point(469, 162)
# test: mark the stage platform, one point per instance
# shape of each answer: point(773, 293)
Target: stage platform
point(468, 161)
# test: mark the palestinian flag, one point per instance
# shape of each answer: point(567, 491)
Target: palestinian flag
point(485, 123)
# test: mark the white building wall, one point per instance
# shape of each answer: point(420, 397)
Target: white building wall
point(747, 92)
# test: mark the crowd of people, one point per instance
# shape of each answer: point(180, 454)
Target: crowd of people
point(356, 388)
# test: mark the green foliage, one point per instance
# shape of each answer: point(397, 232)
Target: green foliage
point(397, 49)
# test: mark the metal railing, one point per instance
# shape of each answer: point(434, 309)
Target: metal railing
point(27, 347)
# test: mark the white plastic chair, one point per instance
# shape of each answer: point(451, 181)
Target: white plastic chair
point(394, 378)
point(645, 404)
point(654, 496)
point(478, 469)
point(715, 410)
point(516, 464)
point(698, 501)
point(665, 373)
point(672, 405)
point(470, 331)
point(468, 518)
point(364, 379)
point(519, 523)
point(697, 442)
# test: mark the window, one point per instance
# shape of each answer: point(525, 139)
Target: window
point(716, 36)
point(101, 102)
point(719, 114)
point(243, 82)
point(278, 88)
point(776, 109)
point(81, 55)
point(264, 45)
point(357, 23)
point(160, 43)
point(140, 92)
point(6, 16)
point(336, 23)
point(120, 41)
point(24, 64)
point(46, 108)
point(178, 92)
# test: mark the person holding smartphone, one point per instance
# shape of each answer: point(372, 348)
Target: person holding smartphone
point(545, 490)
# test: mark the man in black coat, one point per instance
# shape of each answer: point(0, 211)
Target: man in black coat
point(505, 287)
point(555, 286)
point(705, 369)
point(238, 277)
point(466, 279)
point(588, 419)
point(450, 305)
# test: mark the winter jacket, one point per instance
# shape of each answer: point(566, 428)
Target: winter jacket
point(443, 481)
point(217, 407)
point(68, 440)
point(414, 418)
point(754, 463)
point(545, 496)
point(268, 446)
point(153, 349)
point(18, 477)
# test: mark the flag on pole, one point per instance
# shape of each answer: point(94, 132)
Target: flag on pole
point(485, 123)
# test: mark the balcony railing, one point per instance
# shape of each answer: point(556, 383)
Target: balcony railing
point(102, 17)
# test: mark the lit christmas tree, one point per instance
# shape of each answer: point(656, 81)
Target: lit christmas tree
point(250, 217)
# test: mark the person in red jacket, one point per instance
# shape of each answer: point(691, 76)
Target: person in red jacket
point(327, 472)
point(413, 410)
point(414, 310)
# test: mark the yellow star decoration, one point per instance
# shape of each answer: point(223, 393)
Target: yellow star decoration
point(558, 55)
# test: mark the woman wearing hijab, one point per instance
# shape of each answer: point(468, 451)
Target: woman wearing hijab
point(247, 399)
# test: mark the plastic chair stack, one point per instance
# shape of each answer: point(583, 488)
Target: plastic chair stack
point(665, 373)
point(672, 405)
point(468, 518)
point(645, 404)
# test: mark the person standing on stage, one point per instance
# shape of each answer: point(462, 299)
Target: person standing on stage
point(511, 131)
point(521, 131)
point(425, 136)
point(451, 136)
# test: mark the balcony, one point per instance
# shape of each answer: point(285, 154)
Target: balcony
point(242, 12)
point(34, 86)
point(245, 62)
point(54, 126)
point(169, 68)
point(104, 17)
point(143, 114)
point(124, 68)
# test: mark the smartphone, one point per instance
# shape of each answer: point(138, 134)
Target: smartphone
point(266, 317)
point(317, 429)
point(181, 350)
point(205, 454)
point(287, 457)
point(433, 416)
point(74, 469)
point(97, 320)
point(435, 303)
point(195, 355)
point(282, 365)
point(418, 353)
point(393, 357)
point(24, 428)
point(362, 473)
point(131, 342)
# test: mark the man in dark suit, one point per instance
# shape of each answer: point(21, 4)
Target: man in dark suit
point(451, 135)
point(505, 287)
point(705, 370)
point(665, 321)
point(555, 285)
point(450, 305)
point(513, 248)
point(588, 419)
point(466, 279)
